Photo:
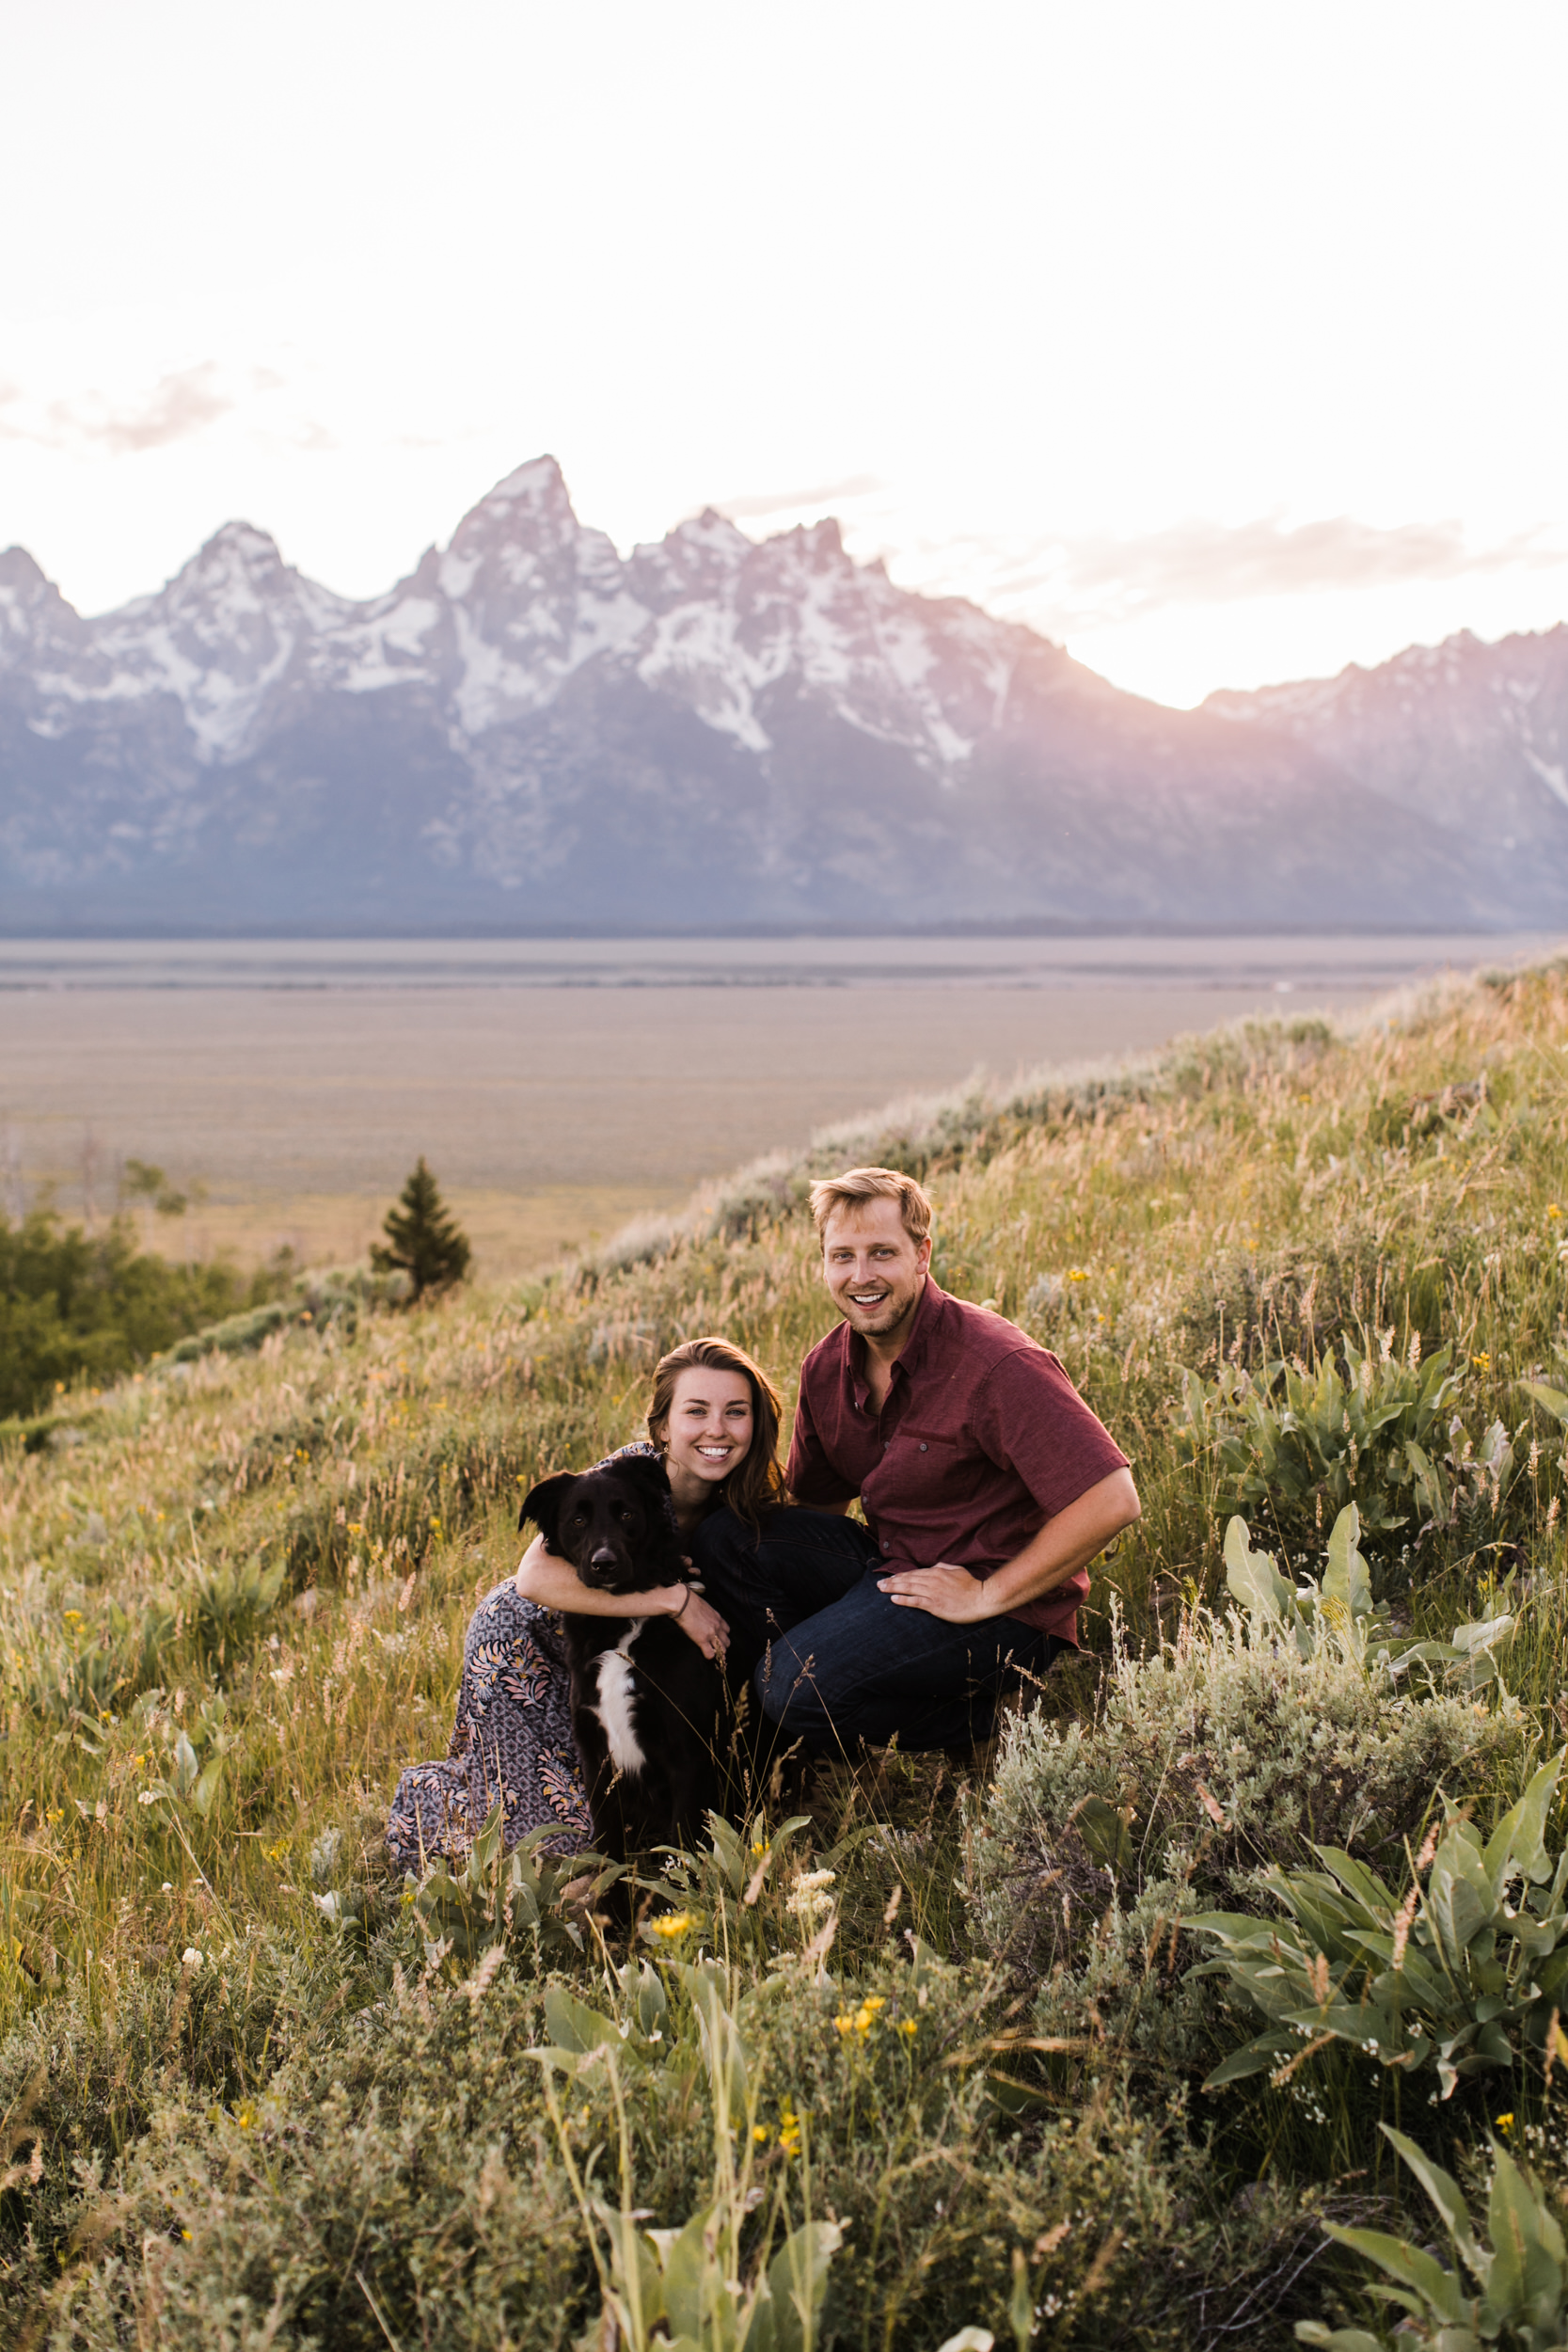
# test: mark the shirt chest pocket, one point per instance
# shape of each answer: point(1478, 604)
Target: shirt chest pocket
point(926, 1464)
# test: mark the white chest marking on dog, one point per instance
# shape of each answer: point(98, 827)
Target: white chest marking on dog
point(617, 1684)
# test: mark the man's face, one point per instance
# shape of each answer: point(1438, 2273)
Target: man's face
point(872, 1270)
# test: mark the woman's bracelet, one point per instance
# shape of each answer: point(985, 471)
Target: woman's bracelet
point(678, 1613)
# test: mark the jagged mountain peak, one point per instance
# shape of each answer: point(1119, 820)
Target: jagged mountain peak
point(1455, 661)
point(20, 574)
point(235, 578)
point(537, 482)
point(33, 613)
point(522, 536)
point(1472, 733)
point(700, 557)
point(528, 507)
point(529, 729)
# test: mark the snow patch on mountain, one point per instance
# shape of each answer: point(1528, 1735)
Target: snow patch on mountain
point(522, 600)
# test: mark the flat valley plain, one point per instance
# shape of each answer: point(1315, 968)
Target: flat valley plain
point(560, 1086)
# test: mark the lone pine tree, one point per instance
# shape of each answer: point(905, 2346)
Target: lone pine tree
point(423, 1239)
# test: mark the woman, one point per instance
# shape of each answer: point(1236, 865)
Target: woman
point(713, 1419)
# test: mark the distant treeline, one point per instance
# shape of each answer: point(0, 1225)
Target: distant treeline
point(75, 1304)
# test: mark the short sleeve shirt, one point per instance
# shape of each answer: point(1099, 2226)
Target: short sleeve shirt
point(981, 1438)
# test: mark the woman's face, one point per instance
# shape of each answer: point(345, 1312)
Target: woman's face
point(708, 1433)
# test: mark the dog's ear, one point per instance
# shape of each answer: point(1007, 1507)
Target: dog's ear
point(542, 1505)
point(647, 1474)
point(654, 1492)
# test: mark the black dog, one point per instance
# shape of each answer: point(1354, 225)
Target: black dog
point(647, 1706)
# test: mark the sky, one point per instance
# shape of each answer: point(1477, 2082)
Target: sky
point(1224, 344)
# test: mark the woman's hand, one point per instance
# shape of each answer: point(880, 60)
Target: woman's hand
point(701, 1623)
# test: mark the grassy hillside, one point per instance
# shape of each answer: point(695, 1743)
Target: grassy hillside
point(257, 2090)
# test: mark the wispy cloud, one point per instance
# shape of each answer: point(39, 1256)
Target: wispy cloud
point(759, 507)
point(178, 405)
point(1097, 581)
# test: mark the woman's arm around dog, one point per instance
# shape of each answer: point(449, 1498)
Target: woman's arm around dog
point(554, 1584)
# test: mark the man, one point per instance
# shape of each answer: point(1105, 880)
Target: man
point(987, 1483)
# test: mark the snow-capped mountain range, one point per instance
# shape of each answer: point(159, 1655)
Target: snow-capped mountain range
point(531, 732)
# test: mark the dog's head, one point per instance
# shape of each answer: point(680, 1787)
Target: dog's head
point(613, 1524)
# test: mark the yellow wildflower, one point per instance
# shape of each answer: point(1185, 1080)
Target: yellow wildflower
point(1552, 1209)
point(1076, 1274)
point(909, 2028)
point(1505, 2122)
point(759, 2132)
point(674, 1924)
point(1481, 1362)
point(789, 2131)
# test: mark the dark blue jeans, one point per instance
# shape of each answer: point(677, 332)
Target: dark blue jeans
point(834, 1661)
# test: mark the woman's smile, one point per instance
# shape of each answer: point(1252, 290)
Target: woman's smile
point(708, 1435)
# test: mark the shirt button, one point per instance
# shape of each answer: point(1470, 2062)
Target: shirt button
point(922, 1446)
point(884, 1547)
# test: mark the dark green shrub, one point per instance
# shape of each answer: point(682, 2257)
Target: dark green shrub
point(78, 1306)
point(1205, 1763)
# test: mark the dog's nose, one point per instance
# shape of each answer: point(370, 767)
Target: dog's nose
point(603, 1558)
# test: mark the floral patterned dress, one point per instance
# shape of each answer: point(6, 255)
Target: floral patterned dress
point(512, 1741)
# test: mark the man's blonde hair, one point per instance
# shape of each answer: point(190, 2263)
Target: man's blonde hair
point(858, 1185)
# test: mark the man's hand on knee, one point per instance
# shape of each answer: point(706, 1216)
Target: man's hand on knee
point(942, 1591)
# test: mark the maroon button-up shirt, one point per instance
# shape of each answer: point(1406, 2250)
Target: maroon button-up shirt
point(981, 1439)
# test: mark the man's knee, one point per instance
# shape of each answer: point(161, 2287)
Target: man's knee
point(785, 1685)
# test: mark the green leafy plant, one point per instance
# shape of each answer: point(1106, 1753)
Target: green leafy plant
point(192, 1778)
point(225, 1607)
point(496, 1899)
point(423, 1238)
point(1371, 1428)
point(715, 2284)
point(1339, 1612)
point(1458, 1974)
point(1521, 2277)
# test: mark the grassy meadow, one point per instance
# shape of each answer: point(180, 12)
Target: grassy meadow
point(931, 2055)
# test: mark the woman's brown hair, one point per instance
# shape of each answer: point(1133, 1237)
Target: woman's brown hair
point(758, 1484)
